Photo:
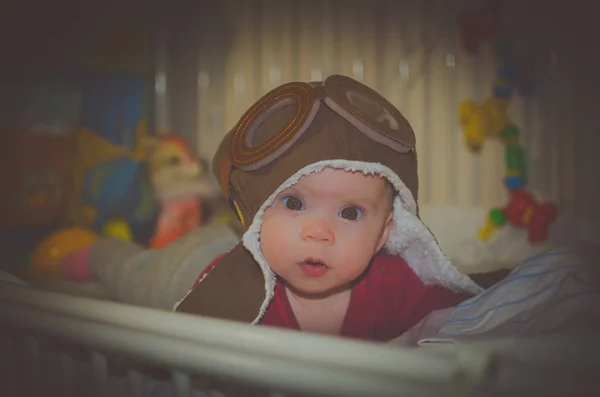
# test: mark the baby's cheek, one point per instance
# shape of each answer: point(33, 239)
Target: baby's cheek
point(273, 240)
point(358, 243)
point(356, 257)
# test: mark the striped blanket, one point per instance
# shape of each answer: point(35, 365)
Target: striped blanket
point(549, 292)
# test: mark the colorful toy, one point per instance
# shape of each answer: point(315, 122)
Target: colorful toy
point(491, 120)
point(180, 185)
point(474, 124)
point(47, 258)
point(514, 160)
point(121, 192)
point(480, 122)
point(522, 211)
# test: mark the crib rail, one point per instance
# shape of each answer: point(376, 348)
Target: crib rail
point(274, 360)
point(55, 344)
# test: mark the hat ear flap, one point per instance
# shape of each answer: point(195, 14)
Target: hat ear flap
point(233, 290)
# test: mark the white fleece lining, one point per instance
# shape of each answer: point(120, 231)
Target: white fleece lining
point(409, 237)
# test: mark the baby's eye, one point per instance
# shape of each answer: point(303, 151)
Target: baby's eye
point(351, 213)
point(293, 203)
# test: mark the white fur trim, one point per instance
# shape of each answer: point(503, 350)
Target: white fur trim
point(409, 238)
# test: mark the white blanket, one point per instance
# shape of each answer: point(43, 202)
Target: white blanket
point(555, 290)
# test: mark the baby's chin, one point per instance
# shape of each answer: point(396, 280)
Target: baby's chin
point(308, 290)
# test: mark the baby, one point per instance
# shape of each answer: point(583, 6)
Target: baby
point(323, 176)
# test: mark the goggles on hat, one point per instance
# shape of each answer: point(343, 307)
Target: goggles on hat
point(358, 104)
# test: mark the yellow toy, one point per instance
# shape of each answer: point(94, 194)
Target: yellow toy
point(117, 228)
point(474, 124)
point(495, 110)
point(48, 255)
point(480, 122)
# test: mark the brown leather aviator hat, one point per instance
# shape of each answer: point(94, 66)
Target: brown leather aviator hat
point(299, 129)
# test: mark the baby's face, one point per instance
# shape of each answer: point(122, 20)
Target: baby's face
point(320, 234)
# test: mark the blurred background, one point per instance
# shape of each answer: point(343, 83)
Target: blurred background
point(94, 97)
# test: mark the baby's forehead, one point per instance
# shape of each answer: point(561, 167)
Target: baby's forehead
point(332, 181)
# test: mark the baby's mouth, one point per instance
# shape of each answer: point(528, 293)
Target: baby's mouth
point(313, 262)
point(313, 267)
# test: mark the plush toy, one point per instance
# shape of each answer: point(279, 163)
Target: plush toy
point(47, 260)
point(180, 184)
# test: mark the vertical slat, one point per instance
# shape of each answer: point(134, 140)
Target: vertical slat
point(205, 101)
point(52, 370)
point(244, 82)
point(256, 26)
point(542, 138)
point(240, 70)
point(214, 47)
point(8, 375)
point(181, 381)
point(283, 30)
point(33, 359)
point(422, 97)
point(584, 151)
point(216, 393)
point(411, 69)
point(555, 154)
point(473, 73)
point(327, 37)
point(100, 365)
point(308, 46)
point(454, 131)
point(466, 71)
point(592, 142)
point(409, 66)
point(428, 134)
point(441, 106)
point(161, 98)
point(370, 58)
point(205, 122)
point(270, 49)
point(569, 134)
point(489, 173)
point(391, 52)
point(135, 382)
point(348, 39)
point(67, 380)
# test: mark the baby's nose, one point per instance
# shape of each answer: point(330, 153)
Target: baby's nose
point(318, 230)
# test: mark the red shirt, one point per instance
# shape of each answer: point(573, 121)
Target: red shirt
point(388, 301)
